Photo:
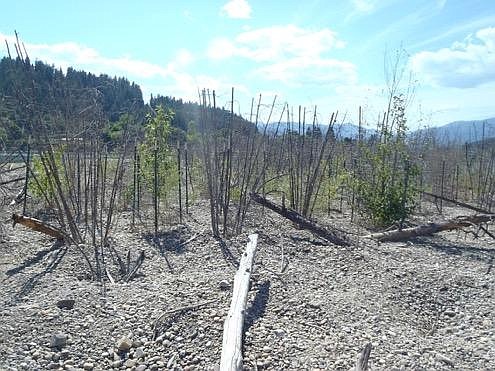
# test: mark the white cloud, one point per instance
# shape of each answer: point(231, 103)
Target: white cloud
point(288, 54)
point(465, 64)
point(265, 44)
point(363, 6)
point(308, 71)
point(169, 78)
point(221, 48)
point(238, 9)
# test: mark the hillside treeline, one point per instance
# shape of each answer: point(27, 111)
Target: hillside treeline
point(38, 97)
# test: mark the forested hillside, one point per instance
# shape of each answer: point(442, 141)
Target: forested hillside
point(40, 94)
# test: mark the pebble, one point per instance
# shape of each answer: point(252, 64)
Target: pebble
point(442, 358)
point(224, 285)
point(294, 324)
point(66, 304)
point(139, 353)
point(58, 340)
point(124, 344)
point(117, 363)
point(130, 363)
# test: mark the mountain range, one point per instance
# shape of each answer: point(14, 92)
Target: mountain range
point(456, 132)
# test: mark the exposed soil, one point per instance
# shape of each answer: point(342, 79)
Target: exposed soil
point(428, 304)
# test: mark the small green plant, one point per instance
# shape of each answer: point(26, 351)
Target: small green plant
point(156, 147)
point(384, 178)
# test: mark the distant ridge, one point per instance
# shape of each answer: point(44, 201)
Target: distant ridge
point(346, 130)
point(459, 132)
point(456, 132)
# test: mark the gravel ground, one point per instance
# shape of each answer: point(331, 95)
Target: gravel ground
point(424, 305)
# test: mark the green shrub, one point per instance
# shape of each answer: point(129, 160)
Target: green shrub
point(157, 133)
point(384, 177)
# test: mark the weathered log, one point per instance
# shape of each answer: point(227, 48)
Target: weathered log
point(363, 358)
point(231, 359)
point(38, 226)
point(458, 203)
point(333, 236)
point(431, 228)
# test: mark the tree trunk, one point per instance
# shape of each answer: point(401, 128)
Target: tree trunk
point(231, 359)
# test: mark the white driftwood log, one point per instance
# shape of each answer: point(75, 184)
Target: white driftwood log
point(231, 359)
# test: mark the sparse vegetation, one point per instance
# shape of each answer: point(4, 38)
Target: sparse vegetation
point(117, 179)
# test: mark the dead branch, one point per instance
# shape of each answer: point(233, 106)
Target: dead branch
point(333, 236)
point(191, 239)
point(364, 356)
point(38, 226)
point(431, 228)
point(5, 182)
point(139, 262)
point(18, 198)
point(110, 278)
point(178, 310)
point(458, 203)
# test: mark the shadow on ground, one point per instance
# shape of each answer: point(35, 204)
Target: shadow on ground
point(36, 258)
point(53, 261)
point(227, 253)
point(258, 306)
point(168, 241)
point(440, 244)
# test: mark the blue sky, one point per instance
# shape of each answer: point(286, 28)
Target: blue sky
point(329, 54)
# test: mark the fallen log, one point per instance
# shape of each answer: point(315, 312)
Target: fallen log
point(231, 358)
point(38, 226)
point(458, 203)
point(431, 228)
point(335, 237)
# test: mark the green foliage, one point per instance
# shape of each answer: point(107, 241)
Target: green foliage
point(156, 141)
point(384, 177)
point(114, 132)
point(41, 186)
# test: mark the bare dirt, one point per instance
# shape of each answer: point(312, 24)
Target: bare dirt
point(427, 304)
